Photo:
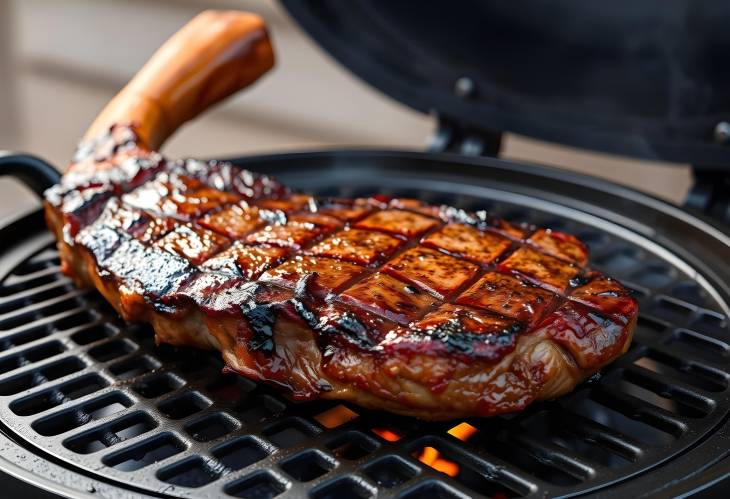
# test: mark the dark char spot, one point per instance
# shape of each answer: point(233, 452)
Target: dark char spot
point(346, 324)
point(261, 318)
point(578, 281)
point(301, 290)
point(457, 339)
point(307, 315)
point(354, 329)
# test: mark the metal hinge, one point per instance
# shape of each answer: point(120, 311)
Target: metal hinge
point(711, 194)
point(451, 136)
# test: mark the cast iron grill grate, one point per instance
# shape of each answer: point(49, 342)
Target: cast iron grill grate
point(99, 395)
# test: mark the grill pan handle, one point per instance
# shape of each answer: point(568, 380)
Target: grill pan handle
point(34, 172)
point(210, 58)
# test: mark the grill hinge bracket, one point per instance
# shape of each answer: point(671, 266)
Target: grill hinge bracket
point(458, 138)
point(710, 193)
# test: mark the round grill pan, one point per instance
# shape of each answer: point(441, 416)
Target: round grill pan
point(90, 406)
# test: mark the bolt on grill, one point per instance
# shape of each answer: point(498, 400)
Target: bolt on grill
point(100, 396)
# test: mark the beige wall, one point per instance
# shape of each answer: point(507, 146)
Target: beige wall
point(60, 61)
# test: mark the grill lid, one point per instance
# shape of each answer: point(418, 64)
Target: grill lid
point(638, 79)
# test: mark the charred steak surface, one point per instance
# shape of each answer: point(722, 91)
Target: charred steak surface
point(390, 303)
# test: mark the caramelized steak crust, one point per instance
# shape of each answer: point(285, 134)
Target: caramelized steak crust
point(389, 303)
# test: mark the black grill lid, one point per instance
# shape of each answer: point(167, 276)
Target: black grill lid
point(646, 79)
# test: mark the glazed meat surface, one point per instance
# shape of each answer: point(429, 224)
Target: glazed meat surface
point(392, 304)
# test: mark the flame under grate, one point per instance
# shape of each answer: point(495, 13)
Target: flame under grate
point(99, 395)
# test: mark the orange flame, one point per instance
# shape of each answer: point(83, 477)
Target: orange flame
point(386, 434)
point(463, 431)
point(432, 457)
point(338, 415)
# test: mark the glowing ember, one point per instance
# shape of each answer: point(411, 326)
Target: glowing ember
point(386, 434)
point(463, 431)
point(338, 415)
point(432, 457)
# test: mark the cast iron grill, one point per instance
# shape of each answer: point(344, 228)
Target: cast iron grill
point(99, 397)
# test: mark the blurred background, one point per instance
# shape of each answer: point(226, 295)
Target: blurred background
point(61, 61)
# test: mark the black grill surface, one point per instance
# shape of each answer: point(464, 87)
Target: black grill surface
point(100, 397)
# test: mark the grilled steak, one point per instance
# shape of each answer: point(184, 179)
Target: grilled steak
point(393, 304)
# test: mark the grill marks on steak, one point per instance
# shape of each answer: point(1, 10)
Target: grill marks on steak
point(377, 281)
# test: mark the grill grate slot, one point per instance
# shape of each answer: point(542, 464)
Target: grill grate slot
point(692, 372)
point(701, 344)
point(711, 323)
point(33, 296)
point(685, 400)
point(134, 367)
point(352, 445)
point(581, 437)
point(308, 465)
point(634, 429)
point(651, 325)
point(38, 376)
point(477, 475)
point(93, 333)
point(41, 260)
point(211, 427)
point(432, 489)
point(260, 485)
point(632, 405)
point(536, 466)
point(289, 432)
point(390, 471)
point(240, 452)
point(145, 453)
point(230, 389)
point(82, 414)
point(671, 309)
point(185, 405)
point(336, 416)
point(689, 292)
point(594, 433)
point(192, 472)
point(653, 276)
point(157, 385)
point(14, 340)
point(30, 356)
point(22, 316)
point(15, 284)
point(111, 434)
point(557, 457)
point(67, 320)
point(258, 408)
point(344, 487)
point(112, 350)
point(99, 394)
point(61, 394)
